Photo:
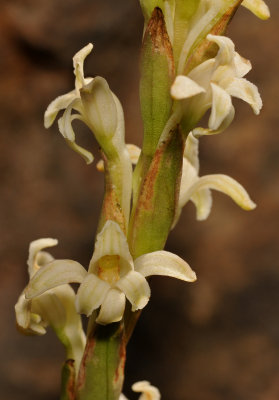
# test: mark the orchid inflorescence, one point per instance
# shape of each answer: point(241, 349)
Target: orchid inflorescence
point(195, 68)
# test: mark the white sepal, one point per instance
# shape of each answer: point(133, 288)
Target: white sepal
point(112, 308)
point(56, 273)
point(258, 7)
point(166, 264)
point(136, 289)
point(184, 87)
point(111, 241)
point(246, 91)
point(221, 106)
point(99, 108)
point(60, 103)
point(91, 294)
point(226, 185)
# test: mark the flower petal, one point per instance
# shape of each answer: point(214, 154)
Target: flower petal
point(136, 289)
point(22, 311)
point(258, 7)
point(184, 87)
point(111, 241)
point(203, 202)
point(38, 258)
point(191, 151)
point(227, 185)
point(166, 264)
point(221, 106)
point(100, 109)
point(60, 103)
point(246, 91)
point(242, 65)
point(91, 294)
point(55, 274)
point(226, 51)
point(198, 132)
point(112, 308)
point(66, 129)
point(78, 61)
point(149, 392)
point(65, 122)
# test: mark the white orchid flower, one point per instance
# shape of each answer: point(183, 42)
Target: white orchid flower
point(148, 392)
point(112, 277)
point(212, 84)
point(55, 307)
point(198, 189)
point(96, 105)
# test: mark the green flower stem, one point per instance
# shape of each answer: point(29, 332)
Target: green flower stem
point(102, 368)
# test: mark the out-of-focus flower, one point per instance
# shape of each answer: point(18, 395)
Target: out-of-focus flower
point(148, 392)
point(55, 307)
point(212, 84)
point(112, 277)
point(198, 189)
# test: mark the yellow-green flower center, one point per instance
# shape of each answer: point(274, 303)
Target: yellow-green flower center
point(109, 269)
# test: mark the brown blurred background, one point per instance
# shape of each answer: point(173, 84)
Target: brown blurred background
point(213, 340)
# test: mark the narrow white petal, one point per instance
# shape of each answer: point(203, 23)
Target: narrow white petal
point(148, 391)
point(226, 185)
point(166, 264)
point(78, 61)
point(203, 202)
point(226, 49)
point(258, 7)
point(66, 130)
point(35, 248)
point(60, 103)
point(112, 308)
point(22, 311)
point(111, 241)
point(198, 132)
point(85, 154)
point(184, 87)
point(203, 72)
point(55, 274)
point(191, 151)
point(188, 178)
point(242, 65)
point(65, 122)
point(246, 91)
point(136, 289)
point(221, 106)
point(91, 294)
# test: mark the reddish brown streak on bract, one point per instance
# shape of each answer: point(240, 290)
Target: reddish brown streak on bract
point(158, 33)
point(71, 381)
point(119, 373)
point(88, 352)
point(147, 192)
